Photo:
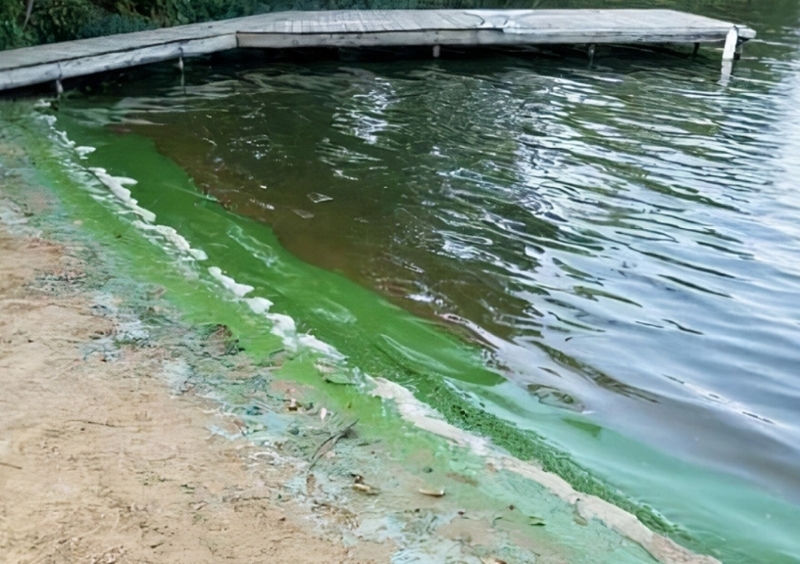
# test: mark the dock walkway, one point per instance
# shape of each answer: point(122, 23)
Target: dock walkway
point(364, 28)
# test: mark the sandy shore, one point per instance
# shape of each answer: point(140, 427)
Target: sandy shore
point(101, 461)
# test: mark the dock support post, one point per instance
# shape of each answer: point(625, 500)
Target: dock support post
point(180, 66)
point(437, 51)
point(727, 71)
point(731, 44)
point(728, 55)
point(592, 49)
point(696, 50)
point(58, 85)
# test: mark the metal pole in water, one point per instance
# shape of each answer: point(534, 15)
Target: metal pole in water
point(437, 51)
point(592, 49)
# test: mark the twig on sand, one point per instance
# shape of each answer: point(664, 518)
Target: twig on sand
point(90, 422)
point(10, 465)
point(330, 442)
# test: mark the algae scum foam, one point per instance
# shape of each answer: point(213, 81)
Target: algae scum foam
point(568, 291)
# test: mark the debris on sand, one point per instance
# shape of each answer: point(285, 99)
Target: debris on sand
point(330, 442)
point(432, 493)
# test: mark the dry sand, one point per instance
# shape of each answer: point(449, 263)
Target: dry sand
point(101, 463)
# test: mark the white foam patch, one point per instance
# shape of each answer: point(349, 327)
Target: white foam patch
point(116, 184)
point(239, 290)
point(176, 239)
point(259, 306)
point(283, 326)
point(311, 342)
point(48, 119)
point(66, 140)
point(83, 151)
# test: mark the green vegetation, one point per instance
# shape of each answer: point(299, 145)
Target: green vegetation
point(62, 20)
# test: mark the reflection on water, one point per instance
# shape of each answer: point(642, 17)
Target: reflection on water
point(622, 239)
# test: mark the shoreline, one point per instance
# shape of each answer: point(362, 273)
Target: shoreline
point(125, 336)
point(101, 459)
point(126, 433)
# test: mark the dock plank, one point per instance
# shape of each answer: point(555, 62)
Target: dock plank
point(360, 28)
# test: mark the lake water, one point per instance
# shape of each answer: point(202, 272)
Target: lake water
point(618, 243)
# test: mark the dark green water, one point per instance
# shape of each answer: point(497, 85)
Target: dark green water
point(600, 262)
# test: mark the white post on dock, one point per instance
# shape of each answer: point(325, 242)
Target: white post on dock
point(731, 44)
point(728, 55)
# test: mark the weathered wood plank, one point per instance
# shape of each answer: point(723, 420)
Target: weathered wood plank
point(459, 19)
point(354, 28)
point(70, 68)
point(485, 37)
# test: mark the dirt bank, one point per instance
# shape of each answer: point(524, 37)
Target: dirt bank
point(101, 461)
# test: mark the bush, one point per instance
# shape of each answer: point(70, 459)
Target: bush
point(110, 24)
point(60, 20)
point(12, 34)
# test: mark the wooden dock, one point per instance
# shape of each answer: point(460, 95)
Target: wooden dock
point(366, 28)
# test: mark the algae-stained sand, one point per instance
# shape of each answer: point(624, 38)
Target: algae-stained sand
point(156, 417)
